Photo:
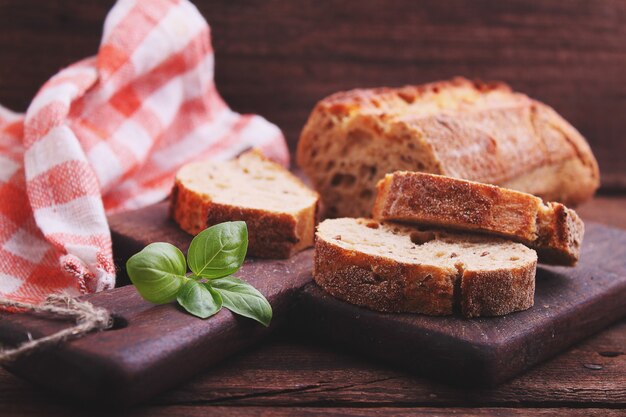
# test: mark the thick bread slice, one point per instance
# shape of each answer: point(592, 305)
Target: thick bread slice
point(552, 229)
point(278, 208)
point(457, 128)
point(395, 268)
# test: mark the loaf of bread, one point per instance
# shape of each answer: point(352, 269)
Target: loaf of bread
point(552, 229)
point(395, 268)
point(457, 128)
point(279, 210)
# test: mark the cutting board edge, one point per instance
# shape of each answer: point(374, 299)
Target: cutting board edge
point(483, 356)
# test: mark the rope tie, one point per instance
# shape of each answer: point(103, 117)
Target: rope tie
point(87, 318)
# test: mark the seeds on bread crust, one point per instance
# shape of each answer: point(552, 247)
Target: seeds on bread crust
point(384, 267)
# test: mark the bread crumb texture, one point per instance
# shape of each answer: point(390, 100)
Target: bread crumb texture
point(279, 210)
point(458, 128)
point(553, 230)
point(395, 268)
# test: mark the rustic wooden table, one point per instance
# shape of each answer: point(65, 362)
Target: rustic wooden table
point(569, 54)
point(291, 375)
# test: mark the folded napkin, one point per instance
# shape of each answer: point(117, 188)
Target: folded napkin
point(107, 134)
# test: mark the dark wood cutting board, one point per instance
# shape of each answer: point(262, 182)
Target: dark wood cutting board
point(570, 304)
point(154, 348)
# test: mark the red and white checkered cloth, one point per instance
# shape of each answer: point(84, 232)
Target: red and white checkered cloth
point(107, 134)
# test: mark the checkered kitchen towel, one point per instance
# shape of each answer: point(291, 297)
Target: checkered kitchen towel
point(107, 134)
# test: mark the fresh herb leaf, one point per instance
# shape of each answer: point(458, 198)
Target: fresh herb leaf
point(242, 298)
point(219, 250)
point(199, 299)
point(158, 272)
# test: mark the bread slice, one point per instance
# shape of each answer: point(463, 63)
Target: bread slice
point(394, 268)
point(278, 208)
point(552, 229)
point(458, 128)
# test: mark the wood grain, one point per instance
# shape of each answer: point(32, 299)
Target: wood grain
point(278, 57)
point(316, 376)
point(400, 412)
point(200, 410)
point(158, 347)
point(289, 375)
point(570, 304)
point(153, 347)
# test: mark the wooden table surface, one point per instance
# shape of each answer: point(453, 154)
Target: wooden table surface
point(291, 375)
point(569, 54)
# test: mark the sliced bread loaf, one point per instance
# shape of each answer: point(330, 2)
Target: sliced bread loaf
point(394, 268)
point(279, 210)
point(462, 129)
point(552, 229)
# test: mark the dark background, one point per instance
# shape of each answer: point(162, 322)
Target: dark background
point(278, 57)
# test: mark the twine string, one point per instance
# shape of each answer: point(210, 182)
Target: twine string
point(87, 317)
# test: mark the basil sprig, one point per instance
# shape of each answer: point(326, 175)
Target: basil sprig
point(159, 272)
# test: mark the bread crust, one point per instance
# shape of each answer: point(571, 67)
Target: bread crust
point(463, 129)
point(270, 234)
point(552, 229)
point(384, 284)
point(496, 293)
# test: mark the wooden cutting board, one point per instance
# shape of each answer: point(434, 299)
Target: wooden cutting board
point(570, 304)
point(154, 348)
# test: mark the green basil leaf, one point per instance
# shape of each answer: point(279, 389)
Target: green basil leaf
point(158, 272)
point(243, 299)
point(199, 299)
point(219, 250)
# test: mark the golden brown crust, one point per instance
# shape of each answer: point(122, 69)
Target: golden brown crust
point(495, 293)
point(448, 202)
point(562, 232)
point(388, 285)
point(345, 101)
point(271, 234)
point(458, 128)
point(553, 230)
point(380, 283)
